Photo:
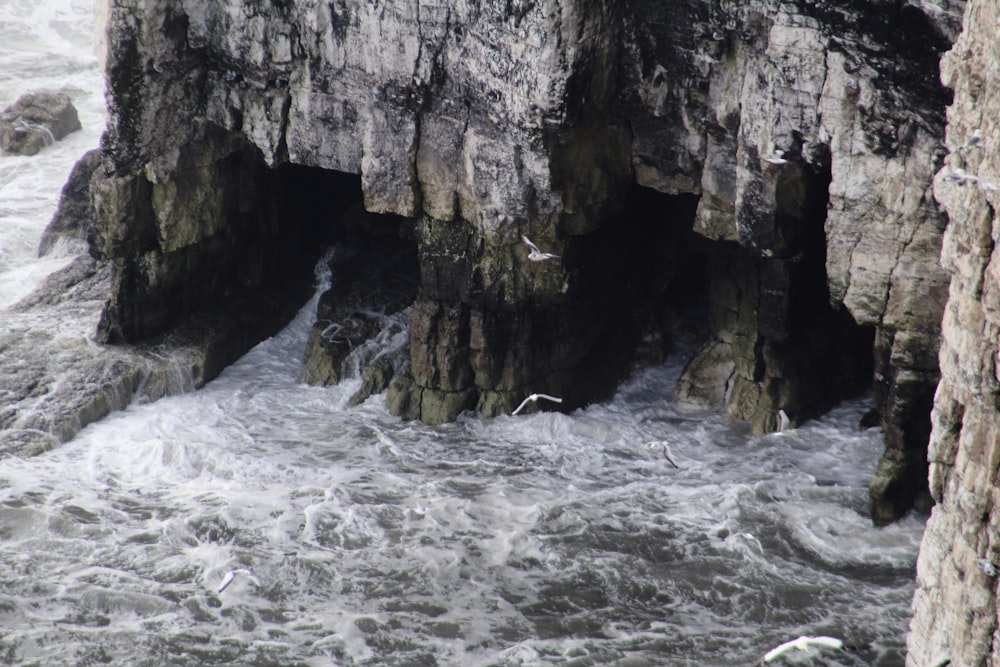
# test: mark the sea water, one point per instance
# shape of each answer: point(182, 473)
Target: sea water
point(541, 539)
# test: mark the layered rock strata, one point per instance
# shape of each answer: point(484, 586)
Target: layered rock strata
point(849, 94)
point(955, 607)
point(483, 123)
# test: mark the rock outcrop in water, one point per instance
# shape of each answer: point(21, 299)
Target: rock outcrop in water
point(36, 120)
point(770, 161)
point(955, 607)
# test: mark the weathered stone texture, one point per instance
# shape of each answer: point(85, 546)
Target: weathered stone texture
point(492, 121)
point(955, 606)
point(75, 217)
point(487, 121)
point(850, 93)
point(36, 120)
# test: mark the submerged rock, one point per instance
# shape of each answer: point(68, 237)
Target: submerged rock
point(36, 120)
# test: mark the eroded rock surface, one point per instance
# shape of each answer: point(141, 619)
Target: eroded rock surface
point(36, 120)
point(75, 218)
point(849, 94)
point(955, 606)
point(484, 122)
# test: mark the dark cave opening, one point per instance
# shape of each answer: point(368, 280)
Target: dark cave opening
point(765, 316)
point(222, 243)
point(666, 274)
point(375, 275)
point(811, 352)
point(228, 249)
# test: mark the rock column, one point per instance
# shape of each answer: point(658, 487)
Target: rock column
point(955, 614)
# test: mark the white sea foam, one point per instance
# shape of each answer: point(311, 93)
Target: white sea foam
point(43, 46)
point(536, 539)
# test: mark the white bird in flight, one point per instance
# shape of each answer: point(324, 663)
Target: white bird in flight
point(534, 397)
point(231, 576)
point(660, 445)
point(777, 158)
point(802, 644)
point(534, 254)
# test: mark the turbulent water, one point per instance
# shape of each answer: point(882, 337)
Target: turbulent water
point(545, 539)
point(43, 46)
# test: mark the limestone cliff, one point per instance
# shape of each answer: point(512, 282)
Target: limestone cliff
point(849, 93)
point(955, 607)
point(772, 160)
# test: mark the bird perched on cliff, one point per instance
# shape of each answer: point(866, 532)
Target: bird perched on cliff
point(986, 566)
point(231, 575)
point(660, 445)
point(802, 644)
point(534, 254)
point(534, 397)
point(961, 177)
point(974, 139)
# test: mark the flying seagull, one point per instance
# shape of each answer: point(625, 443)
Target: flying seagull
point(777, 158)
point(802, 643)
point(536, 255)
point(231, 575)
point(752, 539)
point(658, 445)
point(535, 397)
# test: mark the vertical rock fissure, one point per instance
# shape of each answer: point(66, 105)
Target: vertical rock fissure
point(773, 327)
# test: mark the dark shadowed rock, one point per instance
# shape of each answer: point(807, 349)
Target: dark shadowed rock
point(75, 217)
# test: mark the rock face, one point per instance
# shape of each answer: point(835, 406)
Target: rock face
point(36, 120)
point(485, 122)
point(955, 607)
point(75, 219)
point(773, 159)
point(860, 128)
